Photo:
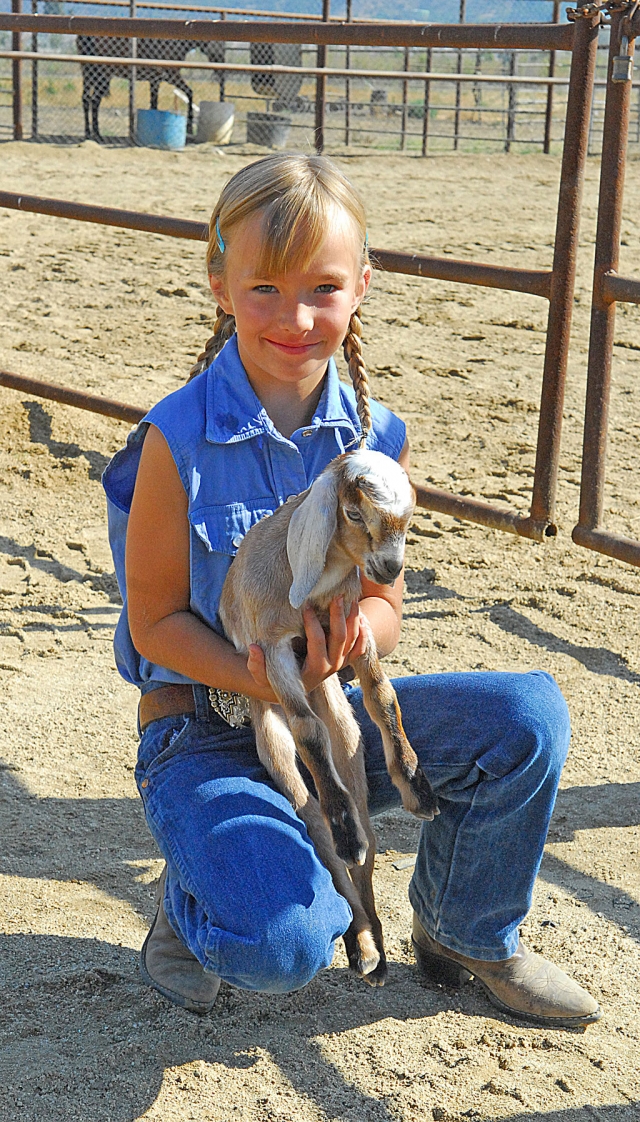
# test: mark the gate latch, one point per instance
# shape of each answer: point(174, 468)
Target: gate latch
point(622, 70)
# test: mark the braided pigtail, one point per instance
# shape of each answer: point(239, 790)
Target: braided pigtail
point(353, 354)
point(223, 329)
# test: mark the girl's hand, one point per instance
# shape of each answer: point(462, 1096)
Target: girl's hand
point(325, 654)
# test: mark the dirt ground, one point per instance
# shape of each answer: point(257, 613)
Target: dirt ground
point(123, 314)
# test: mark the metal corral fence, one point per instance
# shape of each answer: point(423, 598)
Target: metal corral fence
point(609, 288)
point(579, 39)
point(413, 99)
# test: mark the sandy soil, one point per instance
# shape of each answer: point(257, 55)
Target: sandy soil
point(123, 314)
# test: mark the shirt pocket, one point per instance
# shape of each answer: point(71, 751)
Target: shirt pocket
point(221, 529)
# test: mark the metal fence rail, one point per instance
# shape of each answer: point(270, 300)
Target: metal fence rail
point(608, 289)
point(557, 284)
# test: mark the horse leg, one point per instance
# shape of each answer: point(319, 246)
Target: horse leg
point(154, 86)
point(86, 102)
point(180, 84)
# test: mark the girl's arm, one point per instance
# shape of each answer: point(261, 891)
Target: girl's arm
point(163, 628)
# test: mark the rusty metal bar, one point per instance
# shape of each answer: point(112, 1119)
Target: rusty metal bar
point(132, 79)
point(16, 68)
point(548, 116)
point(475, 510)
point(67, 396)
point(347, 84)
point(574, 156)
point(506, 36)
point(427, 98)
point(34, 79)
point(535, 281)
point(456, 117)
point(626, 289)
point(321, 83)
point(604, 541)
point(588, 532)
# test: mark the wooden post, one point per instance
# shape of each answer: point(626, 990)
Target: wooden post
point(16, 8)
point(321, 84)
point(405, 99)
point(555, 18)
point(425, 115)
point(34, 79)
point(347, 85)
point(132, 80)
point(456, 121)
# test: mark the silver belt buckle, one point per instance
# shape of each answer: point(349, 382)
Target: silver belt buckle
point(232, 707)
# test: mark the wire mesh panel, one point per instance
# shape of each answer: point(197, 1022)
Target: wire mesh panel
point(477, 100)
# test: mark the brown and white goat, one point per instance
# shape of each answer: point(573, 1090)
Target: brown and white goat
point(353, 519)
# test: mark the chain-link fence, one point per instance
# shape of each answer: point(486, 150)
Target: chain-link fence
point(469, 100)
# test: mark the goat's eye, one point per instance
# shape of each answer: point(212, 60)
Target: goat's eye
point(354, 516)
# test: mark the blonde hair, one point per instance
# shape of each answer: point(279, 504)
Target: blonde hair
point(297, 196)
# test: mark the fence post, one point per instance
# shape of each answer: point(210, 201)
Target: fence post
point(555, 18)
point(603, 309)
point(132, 79)
point(321, 84)
point(511, 111)
point(574, 154)
point(456, 120)
point(425, 115)
point(16, 8)
point(34, 78)
point(427, 99)
point(405, 98)
point(347, 85)
point(223, 15)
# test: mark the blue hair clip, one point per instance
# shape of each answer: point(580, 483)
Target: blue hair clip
point(366, 239)
point(221, 245)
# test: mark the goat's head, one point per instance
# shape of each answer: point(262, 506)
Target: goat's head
point(366, 500)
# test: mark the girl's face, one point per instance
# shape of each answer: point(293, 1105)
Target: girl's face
point(289, 326)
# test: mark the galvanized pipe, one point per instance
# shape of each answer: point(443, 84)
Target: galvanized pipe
point(78, 398)
point(506, 36)
point(574, 156)
point(308, 71)
point(603, 308)
point(535, 281)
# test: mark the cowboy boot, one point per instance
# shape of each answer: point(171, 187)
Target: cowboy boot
point(525, 985)
point(171, 969)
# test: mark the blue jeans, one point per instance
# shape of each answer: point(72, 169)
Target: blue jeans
point(245, 890)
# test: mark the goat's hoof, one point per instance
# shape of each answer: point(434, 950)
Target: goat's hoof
point(378, 976)
point(349, 839)
point(364, 957)
point(420, 799)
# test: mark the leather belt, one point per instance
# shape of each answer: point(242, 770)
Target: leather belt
point(178, 700)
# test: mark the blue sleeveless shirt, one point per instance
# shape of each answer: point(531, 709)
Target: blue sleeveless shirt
point(235, 468)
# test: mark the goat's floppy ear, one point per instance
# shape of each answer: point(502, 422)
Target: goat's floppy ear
point(311, 528)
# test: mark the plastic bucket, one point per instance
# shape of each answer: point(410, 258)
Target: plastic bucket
point(268, 128)
point(215, 122)
point(157, 128)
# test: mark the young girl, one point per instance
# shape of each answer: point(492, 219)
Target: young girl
point(244, 896)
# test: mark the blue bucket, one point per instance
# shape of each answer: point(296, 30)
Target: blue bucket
point(158, 128)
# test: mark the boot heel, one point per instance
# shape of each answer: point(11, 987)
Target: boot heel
point(443, 971)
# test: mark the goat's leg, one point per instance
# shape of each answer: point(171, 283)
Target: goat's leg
point(382, 706)
point(314, 747)
point(331, 706)
point(277, 752)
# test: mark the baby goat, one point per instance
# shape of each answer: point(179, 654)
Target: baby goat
point(353, 519)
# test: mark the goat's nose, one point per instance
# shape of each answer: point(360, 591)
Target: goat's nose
point(389, 567)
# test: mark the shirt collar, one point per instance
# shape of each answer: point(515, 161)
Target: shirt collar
point(234, 412)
